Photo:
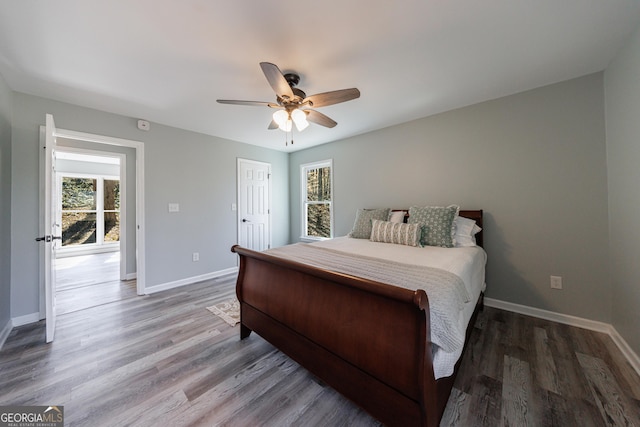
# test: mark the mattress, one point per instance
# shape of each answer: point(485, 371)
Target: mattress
point(468, 263)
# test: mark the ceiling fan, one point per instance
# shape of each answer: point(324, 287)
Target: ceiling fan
point(293, 105)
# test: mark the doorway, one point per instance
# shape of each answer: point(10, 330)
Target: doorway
point(92, 212)
point(135, 247)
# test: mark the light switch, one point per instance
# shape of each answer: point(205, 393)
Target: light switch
point(174, 207)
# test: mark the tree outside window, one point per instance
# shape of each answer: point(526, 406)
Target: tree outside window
point(90, 210)
point(317, 200)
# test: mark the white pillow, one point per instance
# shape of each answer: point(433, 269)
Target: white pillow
point(465, 232)
point(397, 216)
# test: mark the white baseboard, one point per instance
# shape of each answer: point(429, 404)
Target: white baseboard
point(592, 325)
point(189, 280)
point(631, 355)
point(26, 319)
point(131, 276)
point(4, 332)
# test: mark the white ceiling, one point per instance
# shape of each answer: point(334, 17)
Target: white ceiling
point(168, 61)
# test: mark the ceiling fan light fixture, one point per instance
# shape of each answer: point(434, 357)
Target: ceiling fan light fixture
point(300, 119)
point(281, 117)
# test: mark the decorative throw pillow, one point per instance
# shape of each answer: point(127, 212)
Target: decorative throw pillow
point(396, 232)
point(465, 232)
point(439, 221)
point(362, 226)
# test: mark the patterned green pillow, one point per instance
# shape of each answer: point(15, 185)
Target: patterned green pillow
point(396, 232)
point(362, 226)
point(439, 221)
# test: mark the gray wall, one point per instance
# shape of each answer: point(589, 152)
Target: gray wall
point(622, 88)
point(195, 170)
point(5, 202)
point(534, 161)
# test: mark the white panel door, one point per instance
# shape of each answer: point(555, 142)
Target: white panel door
point(254, 231)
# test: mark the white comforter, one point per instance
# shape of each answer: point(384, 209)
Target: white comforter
point(467, 263)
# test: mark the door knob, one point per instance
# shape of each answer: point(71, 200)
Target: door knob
point(48, 238)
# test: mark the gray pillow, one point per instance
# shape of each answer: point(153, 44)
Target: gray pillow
point(439, 222)
point(362, 226)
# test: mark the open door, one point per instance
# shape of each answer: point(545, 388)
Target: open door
point(51, 228)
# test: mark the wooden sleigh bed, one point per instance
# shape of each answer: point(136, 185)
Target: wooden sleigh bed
point(368, 340)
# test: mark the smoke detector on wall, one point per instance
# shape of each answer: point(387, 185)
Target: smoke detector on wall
point(143, 125)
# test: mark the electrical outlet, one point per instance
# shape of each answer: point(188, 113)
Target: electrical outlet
point(556, 282)
point(196, 257)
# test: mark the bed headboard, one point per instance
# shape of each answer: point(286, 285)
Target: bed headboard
point(474, 214)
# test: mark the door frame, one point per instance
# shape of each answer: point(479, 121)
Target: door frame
point(239, 207)
point(140, 198)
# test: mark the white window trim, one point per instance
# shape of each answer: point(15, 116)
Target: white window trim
point(100, 245)
point(303, 191)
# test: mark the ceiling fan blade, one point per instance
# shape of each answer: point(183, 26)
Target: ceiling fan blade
point(333, 97)
point(249, 103)
point(319, 118)
point(273, 125)
point(276, 80)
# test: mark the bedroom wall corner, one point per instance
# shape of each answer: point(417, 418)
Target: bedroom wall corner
point(6, 119)
point(622, 94)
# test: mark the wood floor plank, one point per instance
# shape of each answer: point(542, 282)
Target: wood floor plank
point(495, 344)
point(614, 407)
point(457, 409)
point(546, 372)
point(163, 404)
point(486, 402)
point(516, 393)
point(572, 383)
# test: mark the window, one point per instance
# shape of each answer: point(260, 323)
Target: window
point(317, 209)
point(90, 211)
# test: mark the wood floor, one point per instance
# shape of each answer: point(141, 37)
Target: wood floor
point(89, 280)
point(165, 360)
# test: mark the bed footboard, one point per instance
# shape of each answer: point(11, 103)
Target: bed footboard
point(365, 339)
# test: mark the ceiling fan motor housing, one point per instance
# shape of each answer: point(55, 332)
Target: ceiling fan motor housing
point(292, 78)
point(298, 95)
